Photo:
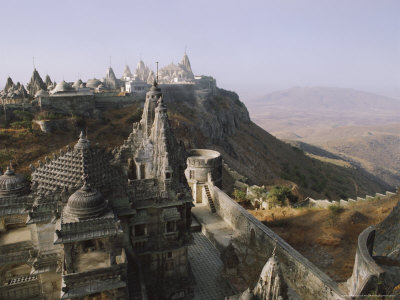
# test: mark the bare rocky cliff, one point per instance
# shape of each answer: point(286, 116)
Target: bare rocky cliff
point(222, 122)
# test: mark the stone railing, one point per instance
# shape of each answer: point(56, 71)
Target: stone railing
point(366, 272)
point(95, 227)
point(21, 288)
point(306, 279)
point(94, 281)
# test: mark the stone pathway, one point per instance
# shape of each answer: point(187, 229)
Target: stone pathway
point(206, 266)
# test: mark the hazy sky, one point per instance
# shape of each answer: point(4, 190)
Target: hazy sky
point(252, 47)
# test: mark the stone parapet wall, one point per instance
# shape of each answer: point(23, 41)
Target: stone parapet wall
point(305, 278)
point(325, 203)
point(366, 272)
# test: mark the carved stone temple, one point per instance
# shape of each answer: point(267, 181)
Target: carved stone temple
point(100, 225)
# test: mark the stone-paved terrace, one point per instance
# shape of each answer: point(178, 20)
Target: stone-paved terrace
point(206, 266)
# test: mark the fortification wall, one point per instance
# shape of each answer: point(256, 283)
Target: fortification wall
point(68, 105)
point(86, 105)
point(306, 279)
point(103, 102)
point(324, 203)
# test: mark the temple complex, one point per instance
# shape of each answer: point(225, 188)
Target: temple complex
point(14, 93)
point(100, 224)
point(181, 73)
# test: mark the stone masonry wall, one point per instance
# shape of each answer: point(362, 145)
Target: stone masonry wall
point(306, 279)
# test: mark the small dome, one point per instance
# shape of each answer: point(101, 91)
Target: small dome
point(86, 203)
point(12, 184)
point(41, 93)
point(93, 83)
point(62, 87)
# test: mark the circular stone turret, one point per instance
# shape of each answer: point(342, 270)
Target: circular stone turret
point(204, 164)
point(86, 203)
point(12, 184)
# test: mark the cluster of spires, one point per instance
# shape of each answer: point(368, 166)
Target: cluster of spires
point(38, 86)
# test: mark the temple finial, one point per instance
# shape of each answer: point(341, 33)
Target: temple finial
point(157, 71)
point(9, 170)
point(274, 251)
point(81, 136)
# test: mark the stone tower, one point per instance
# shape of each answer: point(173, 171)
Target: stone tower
point(160, 232)
point(111, 80)
point(36, 83)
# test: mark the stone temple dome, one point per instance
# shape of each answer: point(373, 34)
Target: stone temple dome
point(93, 83)
point(62, 87)
point(12, 184)
point(86, 203)
point(41, 93)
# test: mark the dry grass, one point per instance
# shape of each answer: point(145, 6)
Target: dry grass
point(329, 245)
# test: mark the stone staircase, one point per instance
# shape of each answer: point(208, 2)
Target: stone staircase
point(209, 198)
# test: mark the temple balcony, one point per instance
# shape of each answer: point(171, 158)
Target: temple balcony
point(171, 236)
point(140, 243)
point(94, 281)
point(21, 288)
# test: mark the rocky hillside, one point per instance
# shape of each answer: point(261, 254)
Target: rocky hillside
point(357, 127)
point(222, 122)
point(219, 122)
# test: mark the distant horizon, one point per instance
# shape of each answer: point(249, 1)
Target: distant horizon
point(252, 48)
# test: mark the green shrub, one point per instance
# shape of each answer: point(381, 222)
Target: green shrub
point(21, 124)
point(336, 209)
point(280, 196)
point(239, 195)
point(21, 115)
point(260, 191)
